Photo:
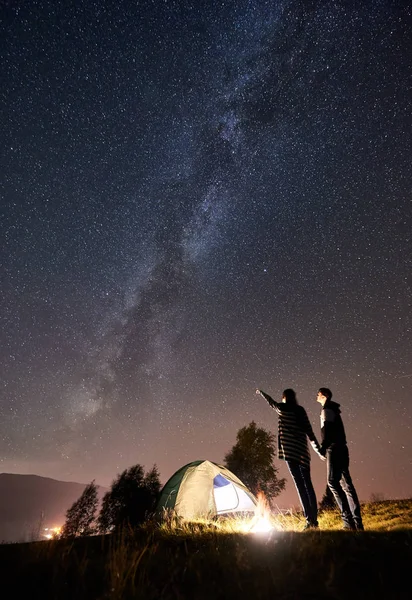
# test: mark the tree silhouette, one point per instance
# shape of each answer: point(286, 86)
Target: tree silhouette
point(81, 514)
point(152, 482)
point(328, 501)
point(132, 496)
point(251, 459)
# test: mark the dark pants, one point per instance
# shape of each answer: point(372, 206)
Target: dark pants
point(341, 486)
point(306, 493)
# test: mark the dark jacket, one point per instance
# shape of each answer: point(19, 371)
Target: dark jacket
point(331, 425)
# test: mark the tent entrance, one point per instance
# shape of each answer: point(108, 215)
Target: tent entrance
point(229, 497)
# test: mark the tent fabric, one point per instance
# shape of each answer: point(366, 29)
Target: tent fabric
point(205, 489)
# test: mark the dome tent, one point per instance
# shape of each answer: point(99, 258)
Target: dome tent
point(205, 489)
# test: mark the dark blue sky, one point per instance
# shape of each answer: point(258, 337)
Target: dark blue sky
point(198, 199)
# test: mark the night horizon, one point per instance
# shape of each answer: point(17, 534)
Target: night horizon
point(199, 199)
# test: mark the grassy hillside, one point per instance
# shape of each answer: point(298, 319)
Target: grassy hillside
point(387, 515)
point(207, 561)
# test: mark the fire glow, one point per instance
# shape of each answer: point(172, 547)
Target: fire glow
point(262, 522)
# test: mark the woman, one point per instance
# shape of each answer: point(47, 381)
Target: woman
point(294, 427)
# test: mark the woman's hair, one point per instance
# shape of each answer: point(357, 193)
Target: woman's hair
point(290, 397)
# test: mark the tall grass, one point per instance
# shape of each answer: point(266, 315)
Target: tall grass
point(386, 515)
point(123, 562)
point(222, 558)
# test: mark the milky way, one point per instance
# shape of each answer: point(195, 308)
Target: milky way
point(198, 199)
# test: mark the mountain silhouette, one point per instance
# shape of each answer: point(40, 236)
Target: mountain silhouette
point(29, 504)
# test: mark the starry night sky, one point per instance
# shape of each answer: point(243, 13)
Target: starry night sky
point(199, 198)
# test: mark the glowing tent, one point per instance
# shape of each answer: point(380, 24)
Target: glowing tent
point(205, 489)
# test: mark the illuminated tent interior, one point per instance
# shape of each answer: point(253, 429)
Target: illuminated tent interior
point(205, 489)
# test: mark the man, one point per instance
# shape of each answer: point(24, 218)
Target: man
point(335, 449)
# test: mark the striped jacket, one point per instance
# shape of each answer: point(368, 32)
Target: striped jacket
point(294, 428)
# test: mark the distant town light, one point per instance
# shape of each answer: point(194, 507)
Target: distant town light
point(53, 532)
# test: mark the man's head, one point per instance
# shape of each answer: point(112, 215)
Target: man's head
point(324, 394)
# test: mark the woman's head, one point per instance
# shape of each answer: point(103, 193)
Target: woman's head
point(289, 397)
